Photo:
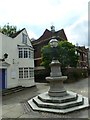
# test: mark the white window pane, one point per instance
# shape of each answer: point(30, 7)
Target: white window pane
point(20, 53)
point(32, 54)
point(29, 53)
point(25, 53)
point(24, 38)
point(31, 72)
point(25, 72)
point(20, 72)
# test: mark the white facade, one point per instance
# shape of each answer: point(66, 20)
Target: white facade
point(19, 66)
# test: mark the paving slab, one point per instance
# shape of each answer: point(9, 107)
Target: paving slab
point(14, 112)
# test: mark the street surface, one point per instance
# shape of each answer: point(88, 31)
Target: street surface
point(16, 106)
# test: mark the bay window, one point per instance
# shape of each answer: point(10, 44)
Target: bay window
point(25, 53)
point(26, 73)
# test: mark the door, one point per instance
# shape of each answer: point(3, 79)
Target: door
point(2, 78)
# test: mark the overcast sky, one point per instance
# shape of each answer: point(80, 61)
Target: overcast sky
point(37, 15)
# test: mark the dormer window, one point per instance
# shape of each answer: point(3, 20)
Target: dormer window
point(24, 38)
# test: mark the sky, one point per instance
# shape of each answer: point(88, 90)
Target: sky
point(38, 15)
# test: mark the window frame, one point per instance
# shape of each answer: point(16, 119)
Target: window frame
point(27, 72)
point(20, 73)
point(31, 72)
point(24, 38)
point(25, 52)
point(20, 52)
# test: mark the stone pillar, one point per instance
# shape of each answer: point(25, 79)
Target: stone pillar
point(56, 80)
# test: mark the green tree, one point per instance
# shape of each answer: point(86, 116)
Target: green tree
point(65, 54)
point(46, 56)
point(8, 29)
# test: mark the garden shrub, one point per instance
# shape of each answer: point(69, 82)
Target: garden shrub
point(73, 74)
point(40, 75)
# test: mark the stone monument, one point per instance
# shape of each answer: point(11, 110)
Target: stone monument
point(57, 99)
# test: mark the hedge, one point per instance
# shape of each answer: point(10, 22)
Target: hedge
point(73, 74)
point(41, 74)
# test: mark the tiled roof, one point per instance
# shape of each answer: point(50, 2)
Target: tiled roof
point(17, 33)
point(48, 34)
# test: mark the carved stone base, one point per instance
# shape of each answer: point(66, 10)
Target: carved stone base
point(70, 102)
point(56, 86)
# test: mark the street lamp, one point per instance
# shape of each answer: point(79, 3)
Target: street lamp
point(53, 43)
point(56, 79)
point(76, 52)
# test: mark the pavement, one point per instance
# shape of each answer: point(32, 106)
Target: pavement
point(15, 105)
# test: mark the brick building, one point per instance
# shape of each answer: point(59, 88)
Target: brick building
point(83, 56)
point(61, 36)
point(44, 40)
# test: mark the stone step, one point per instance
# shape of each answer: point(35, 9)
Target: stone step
point(62, 111)
point(66, 105)
point(12, 90)
point(46, 98)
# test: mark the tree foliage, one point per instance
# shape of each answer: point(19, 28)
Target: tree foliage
point(8, 29)
point(65, 54)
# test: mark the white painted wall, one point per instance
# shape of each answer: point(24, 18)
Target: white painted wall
point(9, 46)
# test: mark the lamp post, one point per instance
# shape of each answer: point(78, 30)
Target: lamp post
point(54, 43)
point(56, 79)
